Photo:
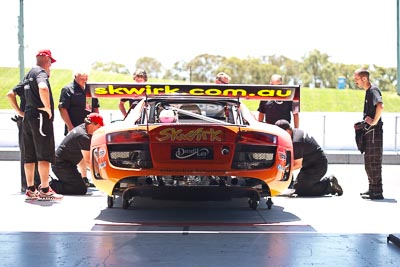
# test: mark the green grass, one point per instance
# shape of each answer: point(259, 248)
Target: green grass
point(334, 100)
point(312, 100)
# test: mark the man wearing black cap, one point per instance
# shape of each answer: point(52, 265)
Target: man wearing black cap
point(313, 164)
point(73, 157)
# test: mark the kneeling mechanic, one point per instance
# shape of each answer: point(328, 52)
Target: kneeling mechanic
point(311, 160)
point(73, 158)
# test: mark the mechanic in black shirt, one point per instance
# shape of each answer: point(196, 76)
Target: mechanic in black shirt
point(72, 178)
point(38, 131)
point(74, 106)
point(139, 76)
point(272, 111)
point(373, 136)
point(313, 164)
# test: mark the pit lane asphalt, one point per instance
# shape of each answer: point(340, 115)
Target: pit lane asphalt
point(82, 231)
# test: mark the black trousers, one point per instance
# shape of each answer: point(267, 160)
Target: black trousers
point(373, 139)
point(311, 181)
point(69, 181)
point(18, 120)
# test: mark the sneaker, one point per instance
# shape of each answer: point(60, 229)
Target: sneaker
point(365, 193)
point(288, 193)
point(31, 195)
point(87, 183)
point(372, 196)
point(50, 195)
point(336, 188)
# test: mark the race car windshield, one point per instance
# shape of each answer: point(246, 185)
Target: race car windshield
point(190, 112)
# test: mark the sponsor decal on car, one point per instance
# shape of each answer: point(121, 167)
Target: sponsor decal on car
point(273, 92)
point(192, 153)
point(199, 134)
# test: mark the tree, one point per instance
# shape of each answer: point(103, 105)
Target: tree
point(385, 77)
point(233, 67)
point(315, 69)
point(110, 67)
point(152, 66)
point(314, 64)
point(180, 72)
point(204, 67)
point(347, 71)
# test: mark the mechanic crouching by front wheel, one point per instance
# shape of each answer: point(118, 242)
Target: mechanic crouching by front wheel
point(73, 158)
point(313, 164)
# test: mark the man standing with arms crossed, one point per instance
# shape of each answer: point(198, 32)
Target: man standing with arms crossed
point(38, 131)
point(373, 136)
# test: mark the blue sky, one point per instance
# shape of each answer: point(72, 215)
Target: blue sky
point(80, 32)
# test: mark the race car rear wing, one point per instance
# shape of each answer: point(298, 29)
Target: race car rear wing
point(246, 91)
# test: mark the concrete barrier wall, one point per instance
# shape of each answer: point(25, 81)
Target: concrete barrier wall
point(333, 130)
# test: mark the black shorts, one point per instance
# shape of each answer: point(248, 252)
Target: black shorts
point(38, 136)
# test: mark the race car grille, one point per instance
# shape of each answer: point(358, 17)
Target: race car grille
point(132, 156)
point(253, 157)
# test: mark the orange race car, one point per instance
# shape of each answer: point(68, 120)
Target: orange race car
point(191, 142)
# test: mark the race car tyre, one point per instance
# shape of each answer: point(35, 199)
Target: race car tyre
point(269, 203)
point(253, 204)
point(125, 204)
point(110, 201)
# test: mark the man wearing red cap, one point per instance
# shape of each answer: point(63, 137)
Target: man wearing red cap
point(38, 132)
point(73, 157)
point(311, 161)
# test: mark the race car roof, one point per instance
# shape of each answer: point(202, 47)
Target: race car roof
point(246, 91)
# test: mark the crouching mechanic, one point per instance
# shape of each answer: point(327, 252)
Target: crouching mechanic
point(73, 158)
point(313, 164)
